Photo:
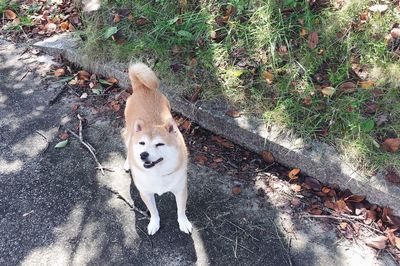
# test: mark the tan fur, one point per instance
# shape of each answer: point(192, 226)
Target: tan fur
point(148, 116)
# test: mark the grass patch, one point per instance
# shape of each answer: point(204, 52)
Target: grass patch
point(258, 55)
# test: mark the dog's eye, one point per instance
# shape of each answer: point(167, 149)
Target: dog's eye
point(160, 144)
point(141, 143)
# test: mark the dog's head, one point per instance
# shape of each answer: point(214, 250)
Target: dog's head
point(156, 146)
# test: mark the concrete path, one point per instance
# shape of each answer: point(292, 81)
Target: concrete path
point(57, 209)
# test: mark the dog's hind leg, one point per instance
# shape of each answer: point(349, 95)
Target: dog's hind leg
point(150, 202)
point(181, 198)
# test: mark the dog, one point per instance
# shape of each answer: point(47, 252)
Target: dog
point(156, 151)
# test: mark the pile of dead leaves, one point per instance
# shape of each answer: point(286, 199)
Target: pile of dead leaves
point(35, 18)
point(350, 211)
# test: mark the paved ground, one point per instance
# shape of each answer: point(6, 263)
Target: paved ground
point(57, 209)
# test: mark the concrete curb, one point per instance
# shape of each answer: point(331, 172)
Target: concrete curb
point(315, 159)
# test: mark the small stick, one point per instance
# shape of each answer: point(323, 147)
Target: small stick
point(151, 242)
point(342, 219)
point(227, 238)
point(55, 98)
point(44, 137)
point(244, 231)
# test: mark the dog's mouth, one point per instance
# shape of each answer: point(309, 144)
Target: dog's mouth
point(150, 164)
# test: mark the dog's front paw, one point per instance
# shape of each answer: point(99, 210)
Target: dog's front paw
point(153, 226)
point(184, 225)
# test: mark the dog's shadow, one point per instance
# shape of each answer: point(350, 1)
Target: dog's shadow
point(169, 242)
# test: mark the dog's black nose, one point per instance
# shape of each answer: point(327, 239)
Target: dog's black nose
point(144, 155)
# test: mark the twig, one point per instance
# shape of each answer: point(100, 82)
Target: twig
point(55, 98)
point(343, 219)
point(283, 246)
point(44, 137)
point(87, 145)
point(132, 206)
point(244, 231)
point(151, 242)
point(231, 240)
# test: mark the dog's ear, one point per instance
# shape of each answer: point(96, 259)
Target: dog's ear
point(170, 126)
point(138, 125)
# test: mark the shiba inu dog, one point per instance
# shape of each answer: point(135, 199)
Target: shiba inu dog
point(156, 151)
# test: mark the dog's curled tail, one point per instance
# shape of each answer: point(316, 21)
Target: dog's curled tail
point(141, 75)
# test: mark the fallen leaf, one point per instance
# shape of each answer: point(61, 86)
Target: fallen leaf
point(117, 18)
point(142, 21)
point(315, 211)
point(393, 177)
point(303, 32)
point(63, 135)
point(233, 113)
point(64, 26)
point(9, 14)
point(83, 75)
point(378, 242)
point(307, 101)
point(59, 72)
point(313, 183)
point(268, 76)
point(112, 80)
point(364, 17)
point(196, 94)
point(236, 190)
point(325, 190)
point(355, 198)
point(268, 157)
point(367, 84)
point(341, 207)
point(348, 87)
point(342, 225)
point(84, 95)
point(50, 27)
point(230, 10)
point(61, 144)
point(293, 173)
point(313, 40)
point(378, 8)
point(329, 204)
point(391, 145)
point(201, 159)
point(115, 105)
point(328, 91)
point(381, 119)
point(186, 125)
point(393, 239)
point(222, 141)
point(370, 107)
point(370, 216)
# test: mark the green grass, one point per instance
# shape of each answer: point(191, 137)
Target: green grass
point(249, 42)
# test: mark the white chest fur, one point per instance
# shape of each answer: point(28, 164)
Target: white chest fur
point(158, 181)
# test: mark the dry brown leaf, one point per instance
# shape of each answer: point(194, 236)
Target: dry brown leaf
point(141, 21)
point(391, 145)
point(326, 190)
point(293, 173)
point(393, 177)
point(354, 198)
point(348, 87)
point(378, 242)
point(63, 135)
point(342, 225)
point(233, 113)
point(236, 190)
point(341, 207)
point(329, 204)
point(218, 160)
point(370, 216)
point(367, 84)
point(328, 91)
point(268, 76)
point(315, 211)
point(64, 26)
point(268, 157)
point(117, 18)
point(313, 40)
point(59, 72)
point(307, 101)
point(115, 105)
point(9, 14)
point(186, 125)
point(303, 32)
point(201, 159)
point(112, 80)
point(313, 183)
point(222, 141)
point(196, 94)
point(83, 75)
